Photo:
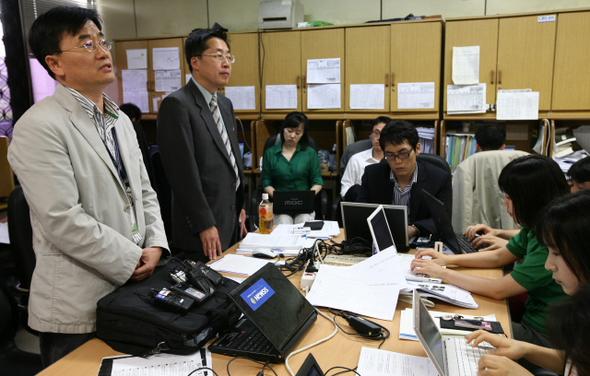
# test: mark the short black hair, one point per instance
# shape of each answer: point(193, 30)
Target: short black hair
point(49, 28)
point(580, 171)
point(380, 119)
point(293, 120)
point(532, 182)
point(564, 225)
point(490, 136)
point(396, 132)
point(196, 43)
point(131, 110)
point(569, 327)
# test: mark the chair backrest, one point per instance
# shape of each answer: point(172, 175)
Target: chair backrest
point(434, 159)
point(21, 236)
point(351, 150)
point(162, 188)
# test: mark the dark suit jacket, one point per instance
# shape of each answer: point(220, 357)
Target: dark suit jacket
point(378, 188)
point(198, 168)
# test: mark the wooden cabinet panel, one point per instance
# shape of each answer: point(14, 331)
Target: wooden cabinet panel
point(244, 46)
point(526, 50)
point(416, 50)
point(367, 60)
point(571, 77)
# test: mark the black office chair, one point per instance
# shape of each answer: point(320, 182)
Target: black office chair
point(21, 238)
point(162, 188)
point(436, 160)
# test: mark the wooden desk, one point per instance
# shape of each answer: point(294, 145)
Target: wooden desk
point(342, 350)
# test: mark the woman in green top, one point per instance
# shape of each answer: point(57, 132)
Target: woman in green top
point(292, 165)
point(529, 182)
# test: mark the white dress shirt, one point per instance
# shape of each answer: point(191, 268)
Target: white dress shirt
point(355, 169)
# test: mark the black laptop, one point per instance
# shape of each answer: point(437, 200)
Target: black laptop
point(457, 243)
point(293, 202)
point(275, 315)
point(354, 221)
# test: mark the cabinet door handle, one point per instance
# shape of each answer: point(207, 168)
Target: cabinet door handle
point(499, 77)
point(392, 79)
point(304, 82)
point(493, 74)
point(386, 79)
point(298, 79)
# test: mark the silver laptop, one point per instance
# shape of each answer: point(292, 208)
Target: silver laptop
point(451, 356)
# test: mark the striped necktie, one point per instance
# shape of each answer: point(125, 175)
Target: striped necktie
point(217, 118)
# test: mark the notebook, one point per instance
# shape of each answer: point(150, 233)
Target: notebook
point(354, 221)
point(291, 202)
point(457, 243)
point(274, 313)
point(383, 241)
point(451, 356)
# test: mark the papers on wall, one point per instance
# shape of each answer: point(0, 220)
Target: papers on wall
point(237, 264)
point(167, 80)
point(242, 97)
point(138, 98)
point(415, 95)
point(466, 99)
point(367, 97)
point(375, 362)
point(517, 105)
point(281, 97)
point(323, 71)
point(137, 58)
point(323, 96)
point(369, 288)
point(466, 65)
point(166, 58)
point(157, 365)
point(447, 293)
point(135, 88)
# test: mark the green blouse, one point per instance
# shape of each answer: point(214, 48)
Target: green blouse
point(299, 174)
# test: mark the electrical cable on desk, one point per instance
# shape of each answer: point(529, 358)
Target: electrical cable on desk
point(354, 246)
point(365, 328)
point(299, 262)
point(264, 365)
point(203, 368)
point(346, 369)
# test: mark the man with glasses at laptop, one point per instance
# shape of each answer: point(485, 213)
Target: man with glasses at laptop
point(399, 178)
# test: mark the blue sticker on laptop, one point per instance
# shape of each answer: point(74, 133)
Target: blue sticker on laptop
point(257, 294)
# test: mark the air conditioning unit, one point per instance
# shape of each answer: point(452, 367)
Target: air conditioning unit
point(279, 14)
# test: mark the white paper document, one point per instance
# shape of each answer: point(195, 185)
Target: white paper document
point(237, 264)
point(323, 96)
point(134, 79)
point(447, 293)
point(511, 105)
point(165, 58)
point(367, 97)
point(329, 230)
point(138, 98)
point(375, 362)
point(466, 65)
point(323, 71)
point(137, 58)
point(277, 242)
point(415, 95)
point(281, 97)
point(241, 97)
point(157, 365)
point(4, 238)
point(168, 80)
point(466, 99)
point(369, 288)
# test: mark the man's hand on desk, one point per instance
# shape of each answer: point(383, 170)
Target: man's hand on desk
point(147, 263)
point(211, 243)
point(493, 242)
point(242, 221)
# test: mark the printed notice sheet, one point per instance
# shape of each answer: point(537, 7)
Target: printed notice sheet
point(512, 105)
point(281, 97)
point(323, 71)
point(469, 99)
point(375, 362)
point(466, 65)
point(367, 97)
point(166, 58)
point(323, 96)
point(138, 98)
point(415, 95)
point(168, 80)
point(134, 80)
point(137, 58)
point(242, 97)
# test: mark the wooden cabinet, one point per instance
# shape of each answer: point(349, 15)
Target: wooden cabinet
point(244, 46)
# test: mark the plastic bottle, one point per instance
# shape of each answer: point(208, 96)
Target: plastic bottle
point(265, 216)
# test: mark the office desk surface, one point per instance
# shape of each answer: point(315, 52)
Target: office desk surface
point(342, 350)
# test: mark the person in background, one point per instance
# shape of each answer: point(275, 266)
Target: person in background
point(529, 183)
point(292, 165)
point(562, 227)
point(95, 218)
point(134, 114)
point(399, 179)
point(579, 174)
point(199, 149)
point(351, 179)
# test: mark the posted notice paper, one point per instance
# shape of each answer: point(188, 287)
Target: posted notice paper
point(466, 65)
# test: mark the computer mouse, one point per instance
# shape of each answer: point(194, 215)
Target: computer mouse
point(264, 253)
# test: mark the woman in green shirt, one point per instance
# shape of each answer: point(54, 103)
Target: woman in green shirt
point(292, 165)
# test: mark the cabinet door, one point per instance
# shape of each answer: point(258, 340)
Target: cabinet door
point(415, 57)
point(122, 64)
point(367, 61)
point(572, 53)
point(525, 56)
point(322, 44)
point(244, 46)
point(282, 64)
point(482, 33)
point(169, 61)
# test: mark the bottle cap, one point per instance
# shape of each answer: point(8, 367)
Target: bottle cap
point(265, 196)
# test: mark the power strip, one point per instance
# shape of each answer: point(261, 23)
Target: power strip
point(307, 280)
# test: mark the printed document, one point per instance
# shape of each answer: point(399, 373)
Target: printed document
point(323, 96)
point(323, 71)
point(157, 365)
point(415, 95)
point(241, 97)
point(237, 264)
point(166, 58)
point(281, 97)
point(517, 105)
point(469, 99)
point(375, 362)
point(466, 65)
point(367, 97)
point(168, 80)
point(136, 58)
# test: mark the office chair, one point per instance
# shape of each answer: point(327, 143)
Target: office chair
point(162, 188)
point(434, 159)
point(21, 238)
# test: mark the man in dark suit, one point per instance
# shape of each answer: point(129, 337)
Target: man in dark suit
point(199, 149)
point(399, 179)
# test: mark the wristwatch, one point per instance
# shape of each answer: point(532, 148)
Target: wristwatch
point(417, 230)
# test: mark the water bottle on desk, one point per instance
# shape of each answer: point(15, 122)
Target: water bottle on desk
point(265, 215)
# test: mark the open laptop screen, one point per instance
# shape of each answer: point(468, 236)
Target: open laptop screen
point(380, 230)
point(428, 334)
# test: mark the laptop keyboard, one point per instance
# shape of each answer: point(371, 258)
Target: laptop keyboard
point(256, 343)
point(468, 356)
point(465, 244)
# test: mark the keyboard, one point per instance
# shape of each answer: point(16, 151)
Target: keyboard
point(255, 342)
point(465, 244)
point(468, 356)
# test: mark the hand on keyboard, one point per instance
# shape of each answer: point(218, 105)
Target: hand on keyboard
point(491, 242)
point(438, 257)
point(507, 347)
point(499, 365)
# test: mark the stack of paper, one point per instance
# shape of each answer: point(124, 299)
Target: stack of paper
point(329, 230)
point(238, 264)
point(285, 244)
point(375, 362)
point(426, 139)
point(447, 293)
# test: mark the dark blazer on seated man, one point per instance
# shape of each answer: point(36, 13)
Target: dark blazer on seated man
point(399, 179)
